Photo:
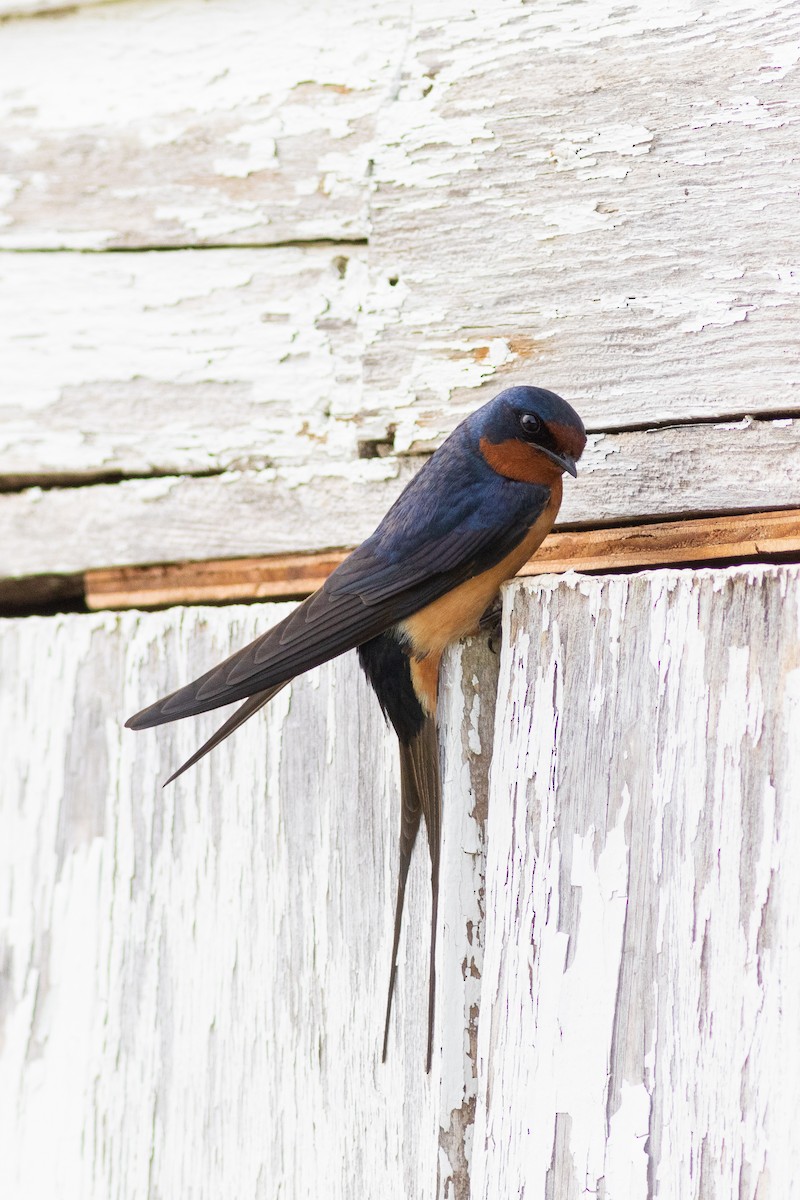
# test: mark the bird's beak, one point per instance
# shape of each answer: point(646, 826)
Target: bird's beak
point(565, 461)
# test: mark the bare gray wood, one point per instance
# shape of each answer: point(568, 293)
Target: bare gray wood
point(637, 1032)
point(194, 979)
point(468, 690)
point(176, 123)
point(641, 475)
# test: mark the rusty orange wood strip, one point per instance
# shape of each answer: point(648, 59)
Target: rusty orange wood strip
point(734, 536)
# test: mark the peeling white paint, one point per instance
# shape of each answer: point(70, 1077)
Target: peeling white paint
point(192, 952)
point(625, 1171)
point(473, 732)
point(719, 312)
point(582, 288)
point(462, 904)
point(580, 152)
point(637, 944)
point(214, 120)
point(325, 502)
point(188, 952)
point(183, 362)
point(623, 166)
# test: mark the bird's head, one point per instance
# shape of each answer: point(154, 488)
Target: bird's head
point(529, 434)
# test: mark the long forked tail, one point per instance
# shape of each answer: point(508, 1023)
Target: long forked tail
point(251, 705)
point(421, 796)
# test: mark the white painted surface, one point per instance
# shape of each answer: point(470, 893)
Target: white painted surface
point(193, 361)
point(638, 1034)
point(466, 712)
point(192, 981)
point(596, 199)
point(594, 195)
point(175, 123)
point(178, 363)
point(28, 8)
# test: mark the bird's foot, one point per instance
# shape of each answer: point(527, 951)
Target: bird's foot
point(491, 622)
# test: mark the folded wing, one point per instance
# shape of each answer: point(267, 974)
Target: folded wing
point(388, 577)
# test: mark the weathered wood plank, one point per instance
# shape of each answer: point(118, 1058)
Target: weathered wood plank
point(598, 196)
point(468, 690)
point(620, 351)
point(31, 8)
point(276, 577)
point(191, 362)
point(137, 364)
point(638, 1035)
point(176, 123)
point(194, 979)
point(740, 535)
point(631, 476)
point(171, 958)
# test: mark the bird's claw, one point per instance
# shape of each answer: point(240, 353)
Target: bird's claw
point(491, 622)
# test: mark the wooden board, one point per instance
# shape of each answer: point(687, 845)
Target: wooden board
point(153, 364)
point(194, 362)
point(740, 536)
point(517, 233)
point(181, 124)
point(658, 309)
point(194, 978)
point(596, 197)
point(638, 1035)
point(615, 995)
point(636, 476)
point(9, 9)
point(272, 578)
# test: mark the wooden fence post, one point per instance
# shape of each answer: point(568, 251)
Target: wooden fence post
point(638, 1031)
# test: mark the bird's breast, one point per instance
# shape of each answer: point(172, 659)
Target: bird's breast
point(457, 613)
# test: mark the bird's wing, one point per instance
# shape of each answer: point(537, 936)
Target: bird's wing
point(391, 575)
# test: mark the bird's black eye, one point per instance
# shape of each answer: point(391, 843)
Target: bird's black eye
point(530, 424)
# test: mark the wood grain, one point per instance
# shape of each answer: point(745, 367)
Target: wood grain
point(638, 267)
point(600, 198)
point(273, 578)
point(193, 362)
point(10, 9)
point(635, 476)
point(637, 1035)
point(466, 716)
point(169, 958)
point(738, 535)
point(743, 536)
point(595, 197)
point(185, 363)
point(194, 979)
point(174, 123)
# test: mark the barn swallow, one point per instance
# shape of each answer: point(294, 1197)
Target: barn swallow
point(475, 512)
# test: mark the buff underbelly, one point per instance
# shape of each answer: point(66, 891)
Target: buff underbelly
point(457, 614)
